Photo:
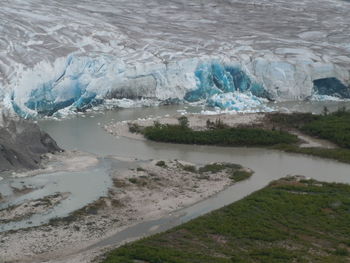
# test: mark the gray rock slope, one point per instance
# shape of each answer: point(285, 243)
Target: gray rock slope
point(22, 145)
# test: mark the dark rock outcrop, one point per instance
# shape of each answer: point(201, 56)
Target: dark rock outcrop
point(22, 145)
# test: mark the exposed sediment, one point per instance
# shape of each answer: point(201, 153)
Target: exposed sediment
point(149, 191)
point(30, 207)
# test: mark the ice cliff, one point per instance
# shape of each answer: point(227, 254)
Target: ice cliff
point(77, 83)
point(227, 54)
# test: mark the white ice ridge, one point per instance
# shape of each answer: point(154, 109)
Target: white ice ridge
point(69, 52)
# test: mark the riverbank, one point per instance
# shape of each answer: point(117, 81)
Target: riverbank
point(291, 220)
point(199, 122)
point(144, 192)
point(65, 161)
point(196, 122)
point(269, 165)
point(315, 133)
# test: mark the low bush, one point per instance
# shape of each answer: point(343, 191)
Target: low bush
point(134, 128)
point(240, 175)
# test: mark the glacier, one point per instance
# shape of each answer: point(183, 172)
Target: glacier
point(78, 83)
point(225, 54)
point(81, 82)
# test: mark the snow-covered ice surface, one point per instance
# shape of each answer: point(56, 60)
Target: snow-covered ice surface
point(63, 54)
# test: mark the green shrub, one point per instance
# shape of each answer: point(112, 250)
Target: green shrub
point(133, 180)
point(134, 128)
point(240, 175)
point(218, 124)
point(212, 168)
point(218, 167)
point(183, 122)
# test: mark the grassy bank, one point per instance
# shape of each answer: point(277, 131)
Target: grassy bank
point(288, 221)
point(334, 127)
point(338, 154)
point(236, 172)
point(220, 136)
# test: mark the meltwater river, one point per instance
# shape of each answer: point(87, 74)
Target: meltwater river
point(86, 133)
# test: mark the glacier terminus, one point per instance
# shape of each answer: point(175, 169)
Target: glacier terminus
point(65, 55)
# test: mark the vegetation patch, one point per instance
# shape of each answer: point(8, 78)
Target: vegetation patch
point(235, 171)
point(218, 167)
point(334, 127)
point(288, 221)
point(240, 175)
point(224, 136)
point(133, 180)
